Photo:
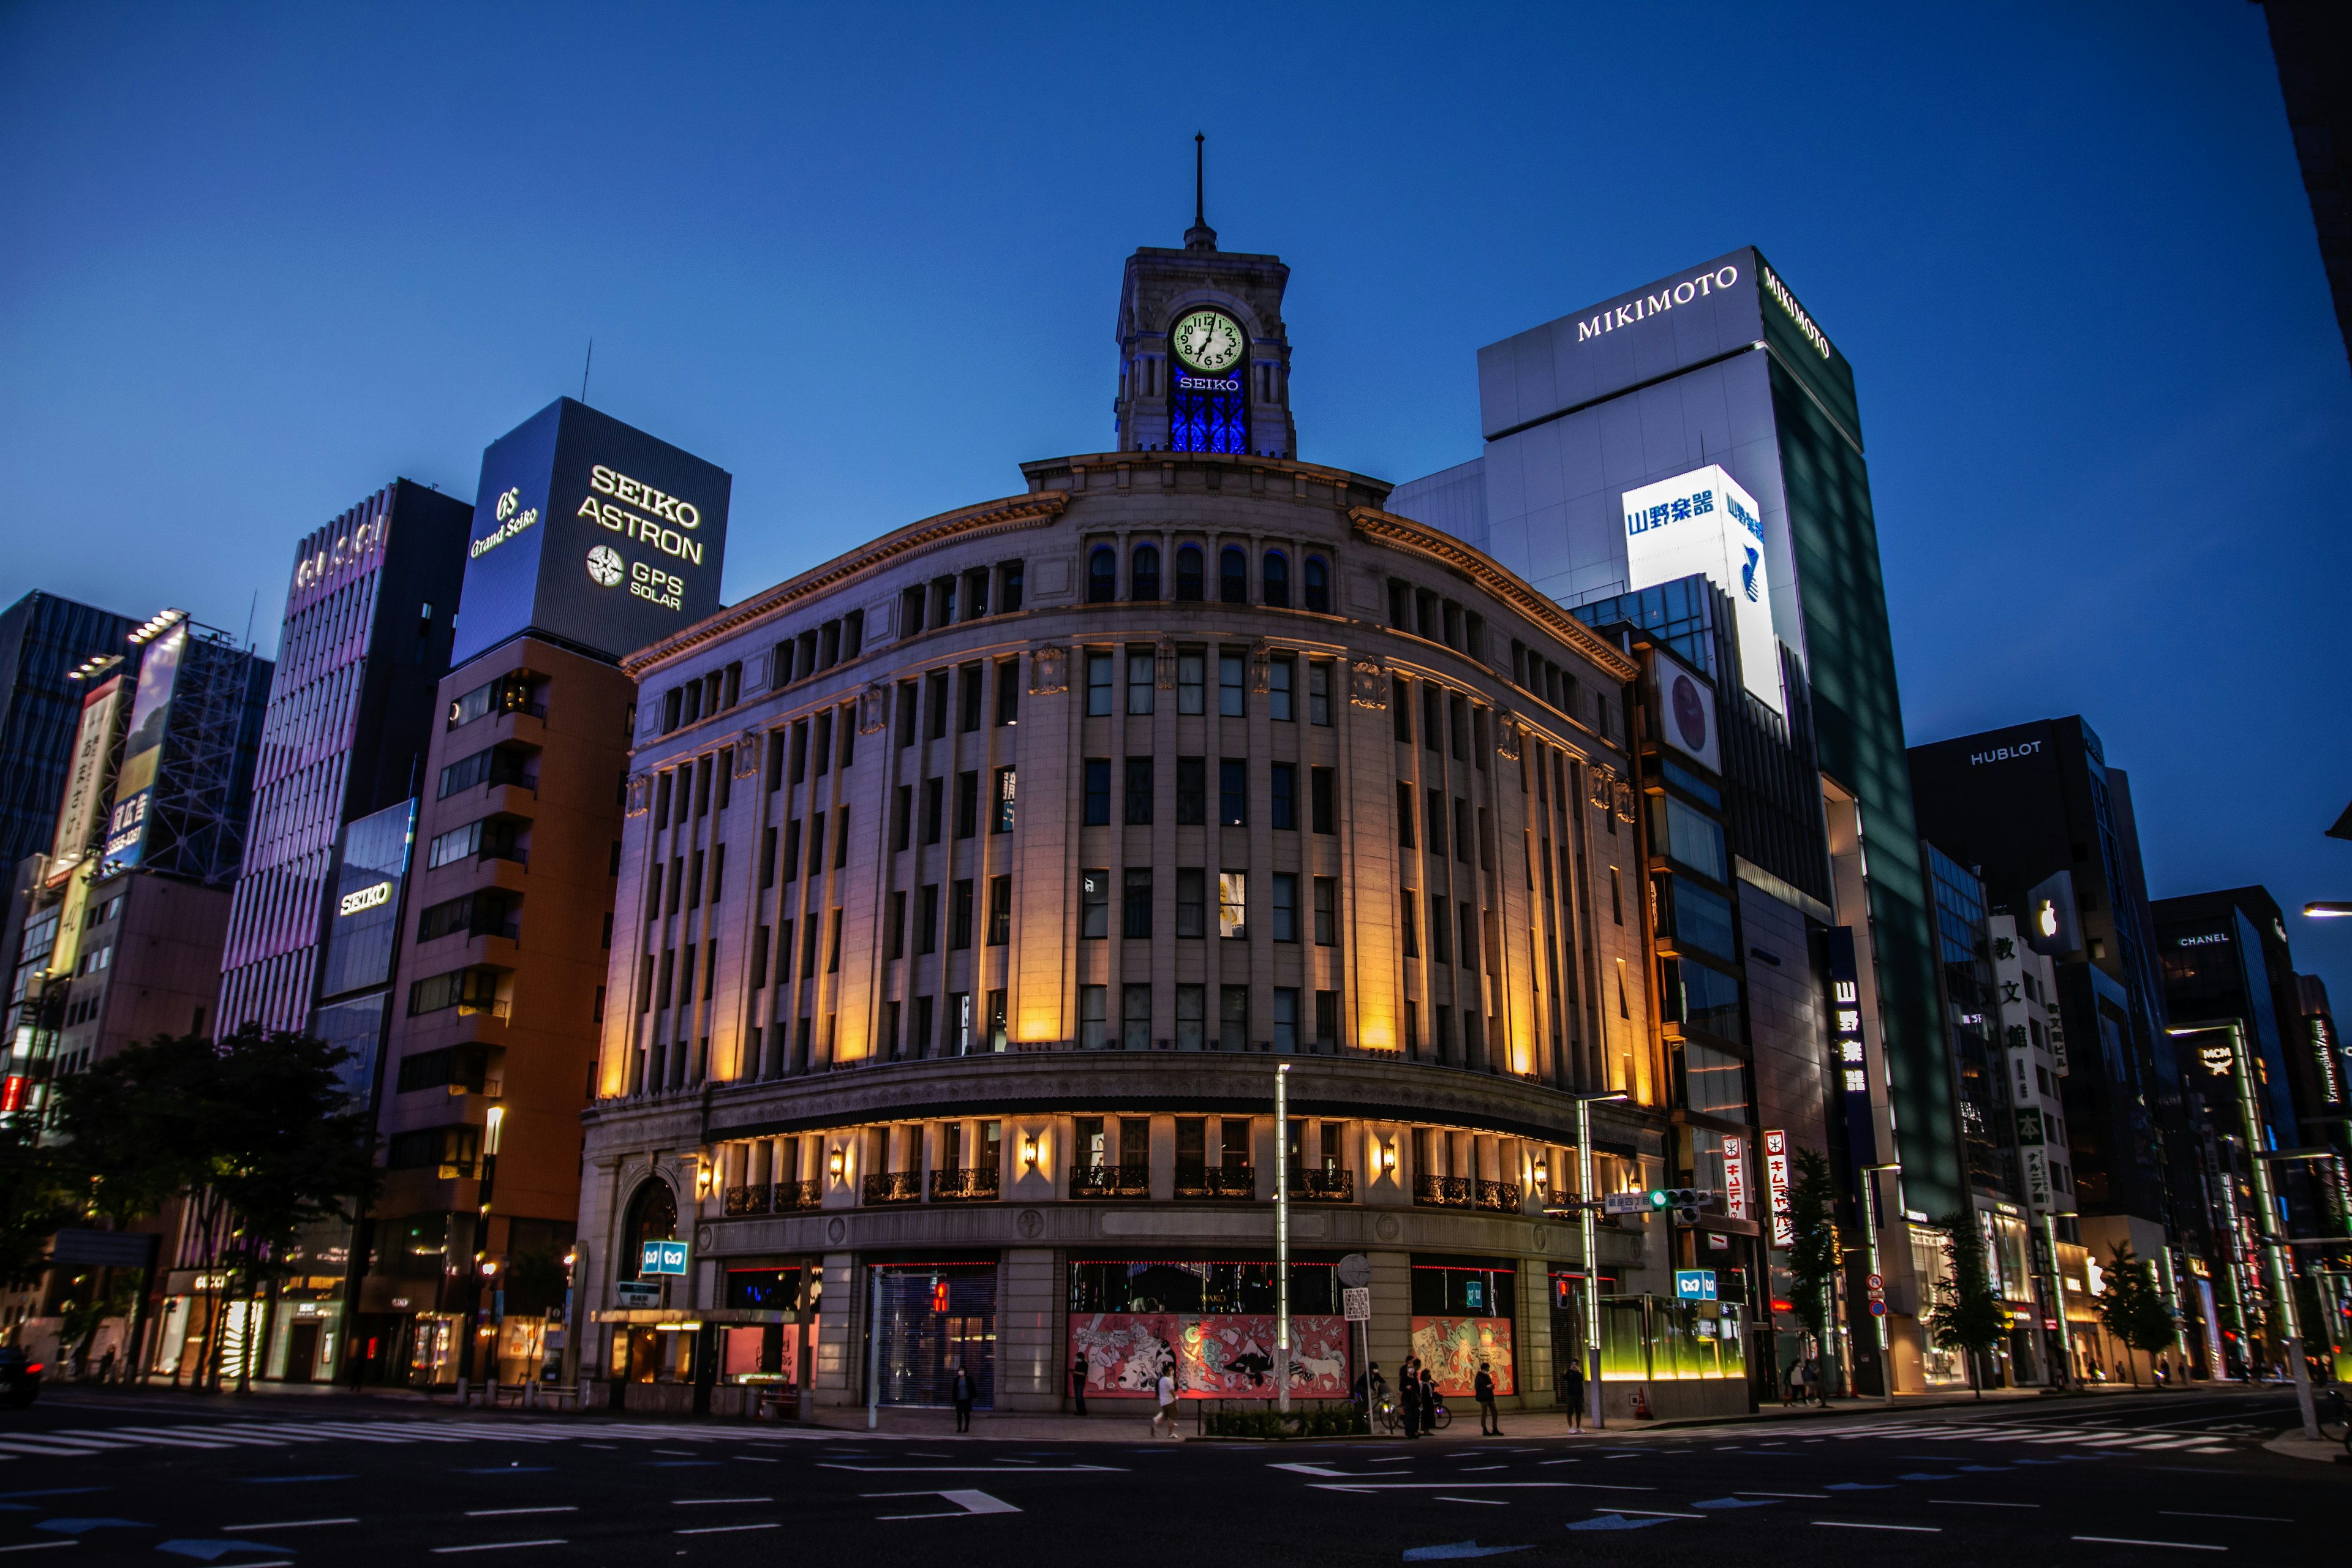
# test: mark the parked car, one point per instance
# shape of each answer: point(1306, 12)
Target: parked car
point(20, 1378)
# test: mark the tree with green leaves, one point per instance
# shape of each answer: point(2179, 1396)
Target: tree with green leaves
point(2133, 1308)
point(1967, 1315)
point(259, 1130)
point(1815, 1256)
point(37, 1195)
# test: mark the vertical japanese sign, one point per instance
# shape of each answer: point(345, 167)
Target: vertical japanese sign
point(1846, 1041)
point(143, 751)
point(1735, 1177)
point(1776, 1183)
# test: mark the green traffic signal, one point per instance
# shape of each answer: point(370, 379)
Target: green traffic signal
point(1660, 1197)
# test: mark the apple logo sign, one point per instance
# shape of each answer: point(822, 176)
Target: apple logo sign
point(1690, 713)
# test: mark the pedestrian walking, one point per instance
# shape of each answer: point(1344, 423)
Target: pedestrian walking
point(1408, 1398)
point(1572, 1392)
point(961, 1394)
point(1167, 1410)
point(1078, 1386)
point(1490, 1420)
point(1429, 1403)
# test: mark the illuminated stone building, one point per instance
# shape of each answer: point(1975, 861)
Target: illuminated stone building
point(974, 884)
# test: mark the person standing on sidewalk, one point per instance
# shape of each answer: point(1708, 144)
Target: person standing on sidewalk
point(1078, 1386)
point(961, 1394)
point(1490, 1421)
point(1409, 1397)
point(1571, 1392)
point(1167, 1410)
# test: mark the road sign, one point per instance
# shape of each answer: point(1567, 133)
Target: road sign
point(1878, 1282)
point(1356, 1303)
point(1878, 1309)
point(1625, 1203)
point(1694, 1284)
point(636, 1293)
point(663, 1257)
point(1355, 1269)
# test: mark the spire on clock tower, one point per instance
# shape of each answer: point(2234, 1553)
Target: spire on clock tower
point(1204, 360)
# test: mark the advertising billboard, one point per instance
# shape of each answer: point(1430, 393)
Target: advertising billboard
point(1702, 523)
point(83, 816)
point(143, 751)
point(1685, 710)
point(592, 532)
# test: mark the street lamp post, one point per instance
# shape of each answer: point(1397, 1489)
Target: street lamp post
point(1282, 1238)
point(1870, 1232)
point(2281, 1285)
point(2049, 1219)
point(1587, 1202)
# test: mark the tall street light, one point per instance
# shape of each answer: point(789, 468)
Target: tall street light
point(1282, 1238)
point(1585, 1205)
point(1869, 1230)
point(2282, 1287)
point(2049, 1219)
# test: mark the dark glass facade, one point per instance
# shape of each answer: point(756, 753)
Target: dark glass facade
point(42, 639)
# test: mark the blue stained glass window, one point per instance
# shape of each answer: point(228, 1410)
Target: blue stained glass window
point(1207, 414)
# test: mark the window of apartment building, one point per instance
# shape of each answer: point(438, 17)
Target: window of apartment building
point(1327, 912)
point(1098, 791)
point(1441, 929)
point(1285, 1018)
point(927, 919)
point(1143, 574)
point(1137, 798)
point(1318, 690)
point(1094, 903)
point(1233, 1021)
point(1098, 684)
point(1000, 911)
point(1137, 902)
point(1135, 1016)
point(1233, 666)
point(960, 915)
point(1142, 666)
point(1191, 901)
point(1327, 1038)
point(1401, 708)
point(935, 796)
point(1285, 906)
point(1192, 791)
point(1323, 797)
point(1190, 574)
point(967, 811)
point(1191, 1017)
point(1192, 679)
point(1283, 797)
point(935, 704)
point(1232, 793)
point(1008, 691)
point(1280, 674)
point(1232, 904)
point(1410, 928)
point(968, 693)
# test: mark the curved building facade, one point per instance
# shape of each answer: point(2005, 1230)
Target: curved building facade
point(973, 885)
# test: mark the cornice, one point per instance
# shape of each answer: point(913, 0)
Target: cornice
point(1404, 533)
point(1030, 510)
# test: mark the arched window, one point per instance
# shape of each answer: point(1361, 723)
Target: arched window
point(1189, 587)
point(1318, 585)
point(1102, 575)
point(1277, 579)
point(1144, 584)
point(1232, 576)
point(653, 1216)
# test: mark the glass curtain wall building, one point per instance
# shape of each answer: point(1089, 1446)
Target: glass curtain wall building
point(370, 608)
point(43, 639)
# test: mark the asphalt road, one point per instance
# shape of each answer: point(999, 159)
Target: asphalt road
point(2089, 1481)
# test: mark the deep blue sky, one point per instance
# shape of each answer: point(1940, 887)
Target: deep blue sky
point(261, 260)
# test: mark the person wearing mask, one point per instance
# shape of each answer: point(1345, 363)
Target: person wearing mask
point(961, 1393)
point(1490, 1420)
point(1571, 1392)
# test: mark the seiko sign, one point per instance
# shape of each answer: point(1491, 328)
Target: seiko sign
point(2004, 753)
point(365, 898)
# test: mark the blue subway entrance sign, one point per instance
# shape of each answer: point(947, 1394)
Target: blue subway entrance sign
point(1694, 1284)
point(663, 1257)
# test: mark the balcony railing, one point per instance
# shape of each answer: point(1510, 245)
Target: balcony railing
point(1110, 1181)
point(1216, 1182)
point(1324, 1186)
point(747, 1200)
point(1443, 1192)
point(793, 1198)
point(1465, 1192)
point(894, 1187)
point(974, 1183)
point(481, 1010)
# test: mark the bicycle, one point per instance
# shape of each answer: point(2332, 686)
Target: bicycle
point(2335, 1416)
point(1385, 1414)
point(1439, 1417)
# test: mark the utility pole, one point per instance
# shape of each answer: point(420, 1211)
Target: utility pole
point(1282, 1238)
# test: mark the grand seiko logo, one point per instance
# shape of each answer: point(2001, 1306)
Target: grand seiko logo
point(1649, 305)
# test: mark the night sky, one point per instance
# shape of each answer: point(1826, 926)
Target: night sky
point(259, 261)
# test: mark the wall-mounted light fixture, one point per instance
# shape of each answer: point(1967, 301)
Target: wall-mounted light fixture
point(834, 1164)
point(1029, 1150)
point(701, 1178)
point(1388, 1159)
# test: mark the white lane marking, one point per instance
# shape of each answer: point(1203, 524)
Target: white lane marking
point(288, 1524)
point(754, 1459)
point(2248, 1517)
point(1978, 1502)
point(1851, 1524)
point(1540, 1463)
point(498, 1545)
point(728, 1528)
point(1481, 1501)
point(709, 1501)
point(2130, 1540)
point(968, 1504)
point(506, 1512)
point(1469, 1469)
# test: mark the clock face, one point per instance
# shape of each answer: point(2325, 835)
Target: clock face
point(1207, 341)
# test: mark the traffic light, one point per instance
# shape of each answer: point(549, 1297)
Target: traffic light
point(1685, 1201)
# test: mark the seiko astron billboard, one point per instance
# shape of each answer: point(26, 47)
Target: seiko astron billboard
point(592, 532)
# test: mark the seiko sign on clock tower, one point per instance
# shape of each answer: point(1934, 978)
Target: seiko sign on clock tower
point(1204, 365)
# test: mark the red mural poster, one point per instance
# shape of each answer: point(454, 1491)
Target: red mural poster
point(1452, 1349)
point(1218, 1356)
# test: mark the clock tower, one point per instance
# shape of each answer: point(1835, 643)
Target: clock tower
point(1204, 360)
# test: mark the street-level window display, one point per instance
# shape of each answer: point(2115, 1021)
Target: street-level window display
point(936, 1318)
point(1463, 1309)
point(1210, 1322)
